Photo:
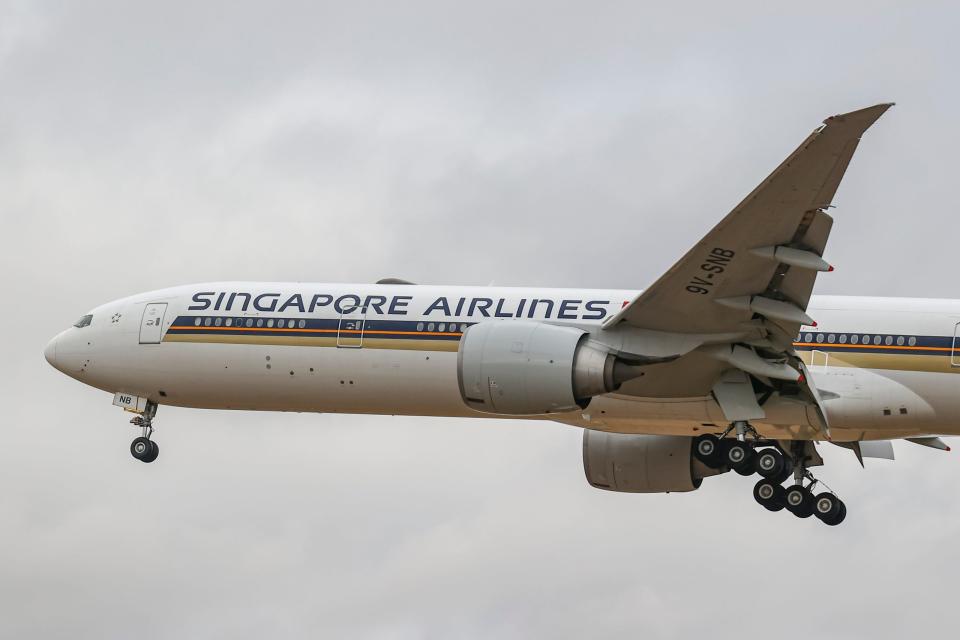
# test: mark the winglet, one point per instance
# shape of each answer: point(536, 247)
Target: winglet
point(862, 117)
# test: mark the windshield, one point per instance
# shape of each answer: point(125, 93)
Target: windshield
point(83, 322)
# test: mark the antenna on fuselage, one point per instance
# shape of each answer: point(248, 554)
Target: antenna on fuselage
point(394, 281)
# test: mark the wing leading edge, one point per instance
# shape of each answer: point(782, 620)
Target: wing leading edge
point(762, 259)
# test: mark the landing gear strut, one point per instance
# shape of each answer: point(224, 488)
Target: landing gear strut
point(800, 499)
point(749, 454)
point(717, 451)
point(143, 448)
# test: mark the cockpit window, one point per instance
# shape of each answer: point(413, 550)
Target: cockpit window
point(83, 322)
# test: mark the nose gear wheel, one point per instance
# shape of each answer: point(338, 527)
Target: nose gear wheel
point(143, 448)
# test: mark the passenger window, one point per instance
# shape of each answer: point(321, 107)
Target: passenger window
point(899, 341)
point(809, 338)
point(229, 322)
point(832, 338)
point(270, 323)
point(463, 327)
point(854, 339)
point(843, 338)
point(912, 341)
point(819, 337)
point(302, 324)
point(207, 322)
point(442, 327)
point(888, 340)
point(249, 322)
point(218, 322)
point(431, 326)
point(197, 322)
point(419, 326)
point(280, 323)
point(866, 339)
point(876, 339)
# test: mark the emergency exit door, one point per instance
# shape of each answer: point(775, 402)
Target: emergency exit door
point(955, 351)
point(151, 325)
point(351, 327)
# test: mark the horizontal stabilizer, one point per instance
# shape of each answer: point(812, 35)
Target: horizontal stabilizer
point(880, 449)
point(933, 443)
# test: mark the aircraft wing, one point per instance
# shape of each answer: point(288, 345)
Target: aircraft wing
point(759, 264)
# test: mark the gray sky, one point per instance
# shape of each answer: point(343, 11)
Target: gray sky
point(545, 143)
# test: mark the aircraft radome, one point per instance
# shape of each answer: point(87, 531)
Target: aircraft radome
point(726, 362)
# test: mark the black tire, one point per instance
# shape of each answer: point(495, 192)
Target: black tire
point(706, 449)
point(799, 501)
point(154, 452)
point(843, 514)
point(770, 463)
point(838, 513)
point(748, 468)
point(140, 448)
point(826, 506)
point(739, 457)
point(787, 470)
point(769, 495)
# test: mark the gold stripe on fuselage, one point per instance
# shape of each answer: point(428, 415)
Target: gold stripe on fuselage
point(311, 341)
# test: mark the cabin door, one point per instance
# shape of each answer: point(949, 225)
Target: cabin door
point(351, 326)
point(151, 325)
point(955, 351)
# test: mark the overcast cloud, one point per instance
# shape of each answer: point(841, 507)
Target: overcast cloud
point(144, 145)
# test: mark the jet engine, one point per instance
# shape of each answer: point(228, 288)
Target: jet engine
point(530, 368)
point(642, 463)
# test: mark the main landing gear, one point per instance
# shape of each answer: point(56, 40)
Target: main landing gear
point(749, 454)
point(143, 448)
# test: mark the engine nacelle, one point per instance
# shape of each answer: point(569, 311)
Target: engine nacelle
point(641, 463)
point(529, 368)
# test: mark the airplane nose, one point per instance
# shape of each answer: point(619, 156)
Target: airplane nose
point(50, 352)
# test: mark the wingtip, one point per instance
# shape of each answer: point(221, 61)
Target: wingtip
point(866, 116)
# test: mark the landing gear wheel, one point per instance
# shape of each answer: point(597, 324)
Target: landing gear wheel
point(799, 501)
point(747, 468)
point(770, 463)
point(141, 449)
point(829, 508)
point(787, 471)
point(843, 514)
point(154, 452)
point(739, 456)
point(706, 449)
point(769, 494)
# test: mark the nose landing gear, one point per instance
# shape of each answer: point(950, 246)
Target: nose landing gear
point(143, 448)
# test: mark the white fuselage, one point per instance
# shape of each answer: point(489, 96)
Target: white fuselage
point(392, 349)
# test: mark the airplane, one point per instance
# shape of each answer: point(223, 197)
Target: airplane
point(725, 363)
